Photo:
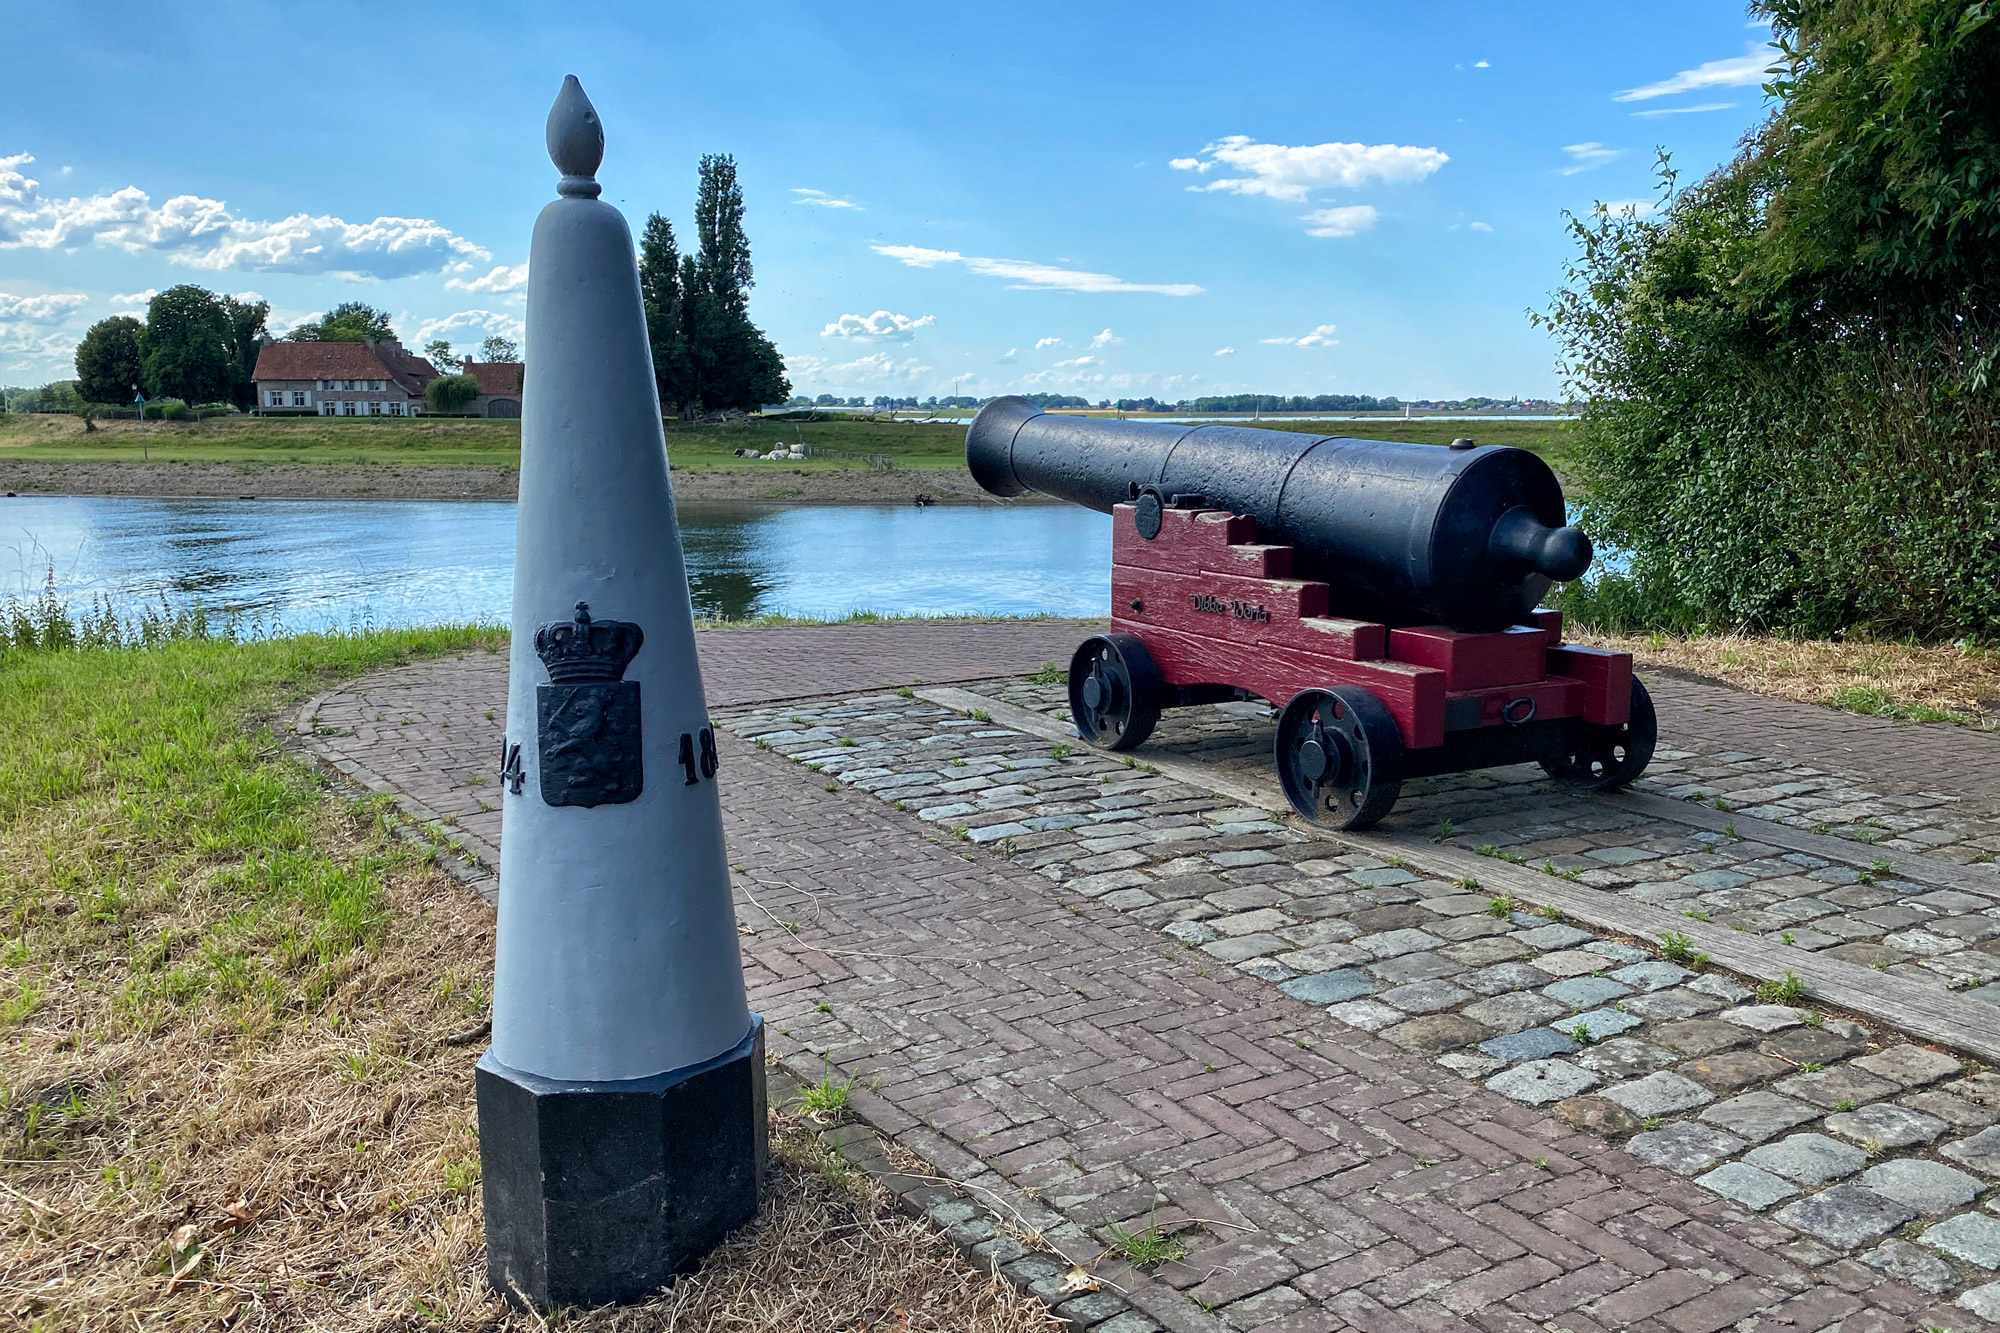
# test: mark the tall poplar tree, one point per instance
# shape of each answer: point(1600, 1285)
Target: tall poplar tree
point(666, 315)
point(736, 365)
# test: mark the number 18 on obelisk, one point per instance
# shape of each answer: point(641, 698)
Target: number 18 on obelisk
point(621, 1105)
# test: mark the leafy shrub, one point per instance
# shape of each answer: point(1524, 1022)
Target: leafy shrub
point(1789, 374)
point(451, 393)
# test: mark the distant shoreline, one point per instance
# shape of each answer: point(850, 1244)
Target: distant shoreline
point(444, 481)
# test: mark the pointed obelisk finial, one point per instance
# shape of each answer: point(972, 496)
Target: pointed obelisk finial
point(576, 141)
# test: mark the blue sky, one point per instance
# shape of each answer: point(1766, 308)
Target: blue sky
point(1105, 199)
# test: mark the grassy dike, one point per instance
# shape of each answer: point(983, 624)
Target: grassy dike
point(239, 1017)
point(334, 441)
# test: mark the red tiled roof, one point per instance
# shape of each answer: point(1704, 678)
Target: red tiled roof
point(497, 377)
point(344, 361)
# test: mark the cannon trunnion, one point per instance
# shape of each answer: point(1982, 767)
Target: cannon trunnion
point(1383, 595)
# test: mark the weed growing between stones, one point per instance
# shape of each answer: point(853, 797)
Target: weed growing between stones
point(1788, 990)
point(827, 1101)
point(1147, 1248)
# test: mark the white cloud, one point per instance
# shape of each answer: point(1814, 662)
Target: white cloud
point(1106, 339)
point(200, 233)
point(1225, 351)
point(1589, 156)
point(1075, 361)
point(1482, 64)
point(468, 327)
point(1319, 337)
point(134, 298)
point(1346, 220)
point(1481, 226)
point(916, 256)
point(823, 199)
point(504, 280)
point(1288, 172)
point(1040, 343)
point(876, 370)
point(1025, 275)
point(1007, 357)
point(882, 326)
point(1659, 111)
point(1738, 72)
point(34, 338)
point(50, 308)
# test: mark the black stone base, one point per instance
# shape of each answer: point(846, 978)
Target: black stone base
point(599, 1193)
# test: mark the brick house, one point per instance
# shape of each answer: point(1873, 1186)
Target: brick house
point(499, 387)
point(371, 379)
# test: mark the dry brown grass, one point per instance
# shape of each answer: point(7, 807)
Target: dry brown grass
point(1883, 679)
point(223, 1166)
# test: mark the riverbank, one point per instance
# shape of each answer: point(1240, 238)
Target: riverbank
point(772, 482)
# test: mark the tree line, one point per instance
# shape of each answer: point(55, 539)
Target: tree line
point(194, 345)
point(201, 347)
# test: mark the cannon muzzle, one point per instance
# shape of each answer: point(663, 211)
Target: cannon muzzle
point(1406, 534)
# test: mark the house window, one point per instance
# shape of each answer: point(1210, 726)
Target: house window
point(277, 399)
point(326, 409)
point(347, 408)
point(299, 398)
point(374, 409)
point(381, 384)
point(395, 409)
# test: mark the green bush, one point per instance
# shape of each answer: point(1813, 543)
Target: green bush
point(450, 393)
point(1789, 373)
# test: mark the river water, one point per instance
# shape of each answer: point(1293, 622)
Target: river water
point(304, 565)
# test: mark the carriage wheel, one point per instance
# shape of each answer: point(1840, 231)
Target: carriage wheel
point(1340, 757)
point(1113, 691)
point(1601, 758)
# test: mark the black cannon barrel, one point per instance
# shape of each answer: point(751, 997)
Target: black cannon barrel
point(1404, 533)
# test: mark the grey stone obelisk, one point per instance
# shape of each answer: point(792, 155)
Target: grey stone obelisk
point(621, 1104)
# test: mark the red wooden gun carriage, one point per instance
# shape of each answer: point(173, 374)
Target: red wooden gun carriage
point(1383, 595)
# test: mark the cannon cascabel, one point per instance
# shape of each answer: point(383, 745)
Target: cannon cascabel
point(1404, 534)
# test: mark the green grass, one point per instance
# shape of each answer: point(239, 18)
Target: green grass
point(156, 838)
point(1147, 1247)
point(1678, 948)
point(830, 1098)
point(1788, 990)
point(404, 441)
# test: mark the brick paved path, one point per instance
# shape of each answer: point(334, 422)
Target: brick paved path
point(1026, 1038)
point(1890, 755)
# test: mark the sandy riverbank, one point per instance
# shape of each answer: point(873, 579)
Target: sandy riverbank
point(451, 482)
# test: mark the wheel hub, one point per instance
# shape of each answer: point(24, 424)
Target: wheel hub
point(1093, 691)
point(1313, 759)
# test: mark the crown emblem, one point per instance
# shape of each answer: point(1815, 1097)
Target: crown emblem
point(582, 650)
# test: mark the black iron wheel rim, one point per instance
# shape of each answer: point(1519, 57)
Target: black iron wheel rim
point(1111, 712)
point(1601, 754)
point(1329, 757)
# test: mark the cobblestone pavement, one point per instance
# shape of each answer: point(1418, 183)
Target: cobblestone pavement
point(1862, 913)
point(1365, 1094)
